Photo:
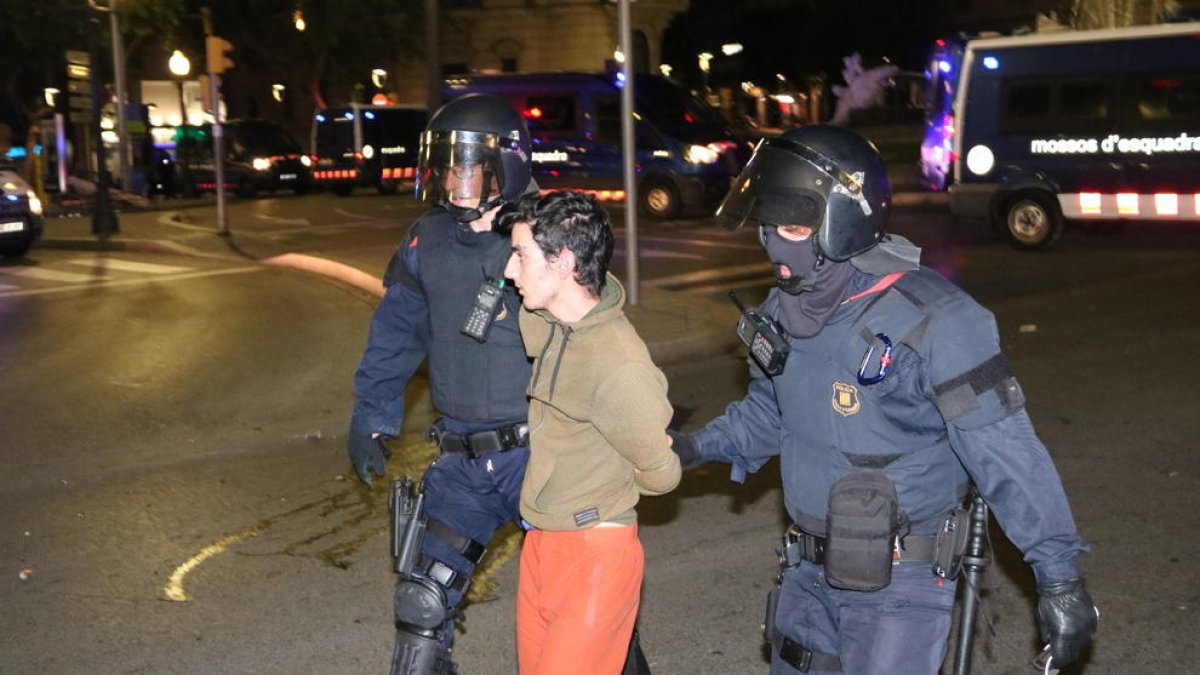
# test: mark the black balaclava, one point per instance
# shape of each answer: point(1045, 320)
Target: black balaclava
point(815, 288)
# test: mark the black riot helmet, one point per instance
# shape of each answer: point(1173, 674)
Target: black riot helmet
point(474, 156)
point(825, 177)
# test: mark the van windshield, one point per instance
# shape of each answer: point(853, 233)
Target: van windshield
point(677, 112)
point(335, 132)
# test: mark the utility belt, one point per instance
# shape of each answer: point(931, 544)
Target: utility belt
point(799, 545)
point(479, 443)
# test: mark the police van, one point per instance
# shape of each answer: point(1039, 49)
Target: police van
point(368, 145)
point(686, 155)
point(1037, 130)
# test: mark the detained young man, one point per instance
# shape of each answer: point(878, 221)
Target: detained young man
point(598, 414)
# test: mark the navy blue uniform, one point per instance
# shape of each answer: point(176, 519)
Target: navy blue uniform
point(431, 284)
point(949, 413)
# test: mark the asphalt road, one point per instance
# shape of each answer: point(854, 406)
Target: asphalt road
point(175, 491)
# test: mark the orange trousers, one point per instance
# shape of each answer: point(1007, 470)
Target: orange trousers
point(577, 600)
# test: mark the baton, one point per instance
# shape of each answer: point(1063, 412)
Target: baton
point(975, 561)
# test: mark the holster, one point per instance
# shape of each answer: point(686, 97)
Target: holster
point(951, 544)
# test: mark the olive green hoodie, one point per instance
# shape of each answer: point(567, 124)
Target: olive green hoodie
point(598, 410)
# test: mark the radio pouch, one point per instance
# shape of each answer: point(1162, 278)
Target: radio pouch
point(864, 520)
point(951, 544)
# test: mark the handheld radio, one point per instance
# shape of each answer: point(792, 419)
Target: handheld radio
point(764, 337)
point(483, 312)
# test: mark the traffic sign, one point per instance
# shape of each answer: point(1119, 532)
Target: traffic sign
point(79, 58)
point(76, 71)
point(81, 103)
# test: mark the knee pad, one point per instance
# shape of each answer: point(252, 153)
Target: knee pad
point(421, 607)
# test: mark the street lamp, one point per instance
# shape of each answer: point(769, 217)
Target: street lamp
point(379, 77)
point(731, 48)
point(298, 20)
point(180, 66)
point(705, 58)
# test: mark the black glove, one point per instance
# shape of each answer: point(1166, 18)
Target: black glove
point(368, 455)
point(685, 446)
point(1067, 618)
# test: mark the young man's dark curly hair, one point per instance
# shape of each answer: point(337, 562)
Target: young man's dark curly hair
point(570, 220)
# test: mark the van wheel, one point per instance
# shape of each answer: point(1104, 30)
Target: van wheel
point(1030, 220)
point(659, 199)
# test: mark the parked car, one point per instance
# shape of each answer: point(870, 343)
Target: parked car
point(259, 156)
point(20, 214)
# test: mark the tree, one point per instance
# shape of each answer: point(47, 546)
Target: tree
point(1086, 14)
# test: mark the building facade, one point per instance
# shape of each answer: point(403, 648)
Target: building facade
point(533, 36)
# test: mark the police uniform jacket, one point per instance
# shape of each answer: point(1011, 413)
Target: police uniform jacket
point(431, 284)
point(949, 412)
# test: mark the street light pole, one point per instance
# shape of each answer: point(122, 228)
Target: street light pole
point(104, 220)
point(119, 76)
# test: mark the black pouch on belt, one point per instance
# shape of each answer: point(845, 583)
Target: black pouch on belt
point(863, 521)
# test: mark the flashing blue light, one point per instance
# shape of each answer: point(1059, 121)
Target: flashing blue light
point(16, 152)
point(320, 118)
point(991, 62)
point(12, 198)
point(369, 115)
point(348, 115)
point(619, 79)
point(944, 65)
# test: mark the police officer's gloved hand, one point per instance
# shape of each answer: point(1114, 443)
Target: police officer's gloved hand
point(1067, 618)
point(368, 455)
point(685, 446)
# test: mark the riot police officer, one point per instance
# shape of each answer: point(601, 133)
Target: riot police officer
point(474, 156)
point(883, 390)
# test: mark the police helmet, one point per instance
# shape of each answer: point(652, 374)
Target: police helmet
point(825, 177)
point(474, 155)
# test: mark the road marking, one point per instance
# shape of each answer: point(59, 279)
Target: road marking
point(351, 214)
point(128, 265)
point(721, 273)
point(285, 221)
point(43, 274)
point(106, 283)
point(174, 588)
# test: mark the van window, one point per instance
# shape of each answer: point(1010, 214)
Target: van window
point(608, 125)
point(1170, 98)
point(1026, 103)
point(1083, 100)
point(550, 114)
point(1051, 105)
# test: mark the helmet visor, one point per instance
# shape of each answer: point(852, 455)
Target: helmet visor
point(460, 168)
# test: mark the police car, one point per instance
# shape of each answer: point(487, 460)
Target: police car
point(20, 214)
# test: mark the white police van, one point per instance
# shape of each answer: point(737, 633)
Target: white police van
point(1032, 131)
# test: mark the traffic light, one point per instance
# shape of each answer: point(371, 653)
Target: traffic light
point(217, 48)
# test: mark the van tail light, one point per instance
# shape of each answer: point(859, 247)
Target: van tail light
point(1127, 203)
point(1089, 203)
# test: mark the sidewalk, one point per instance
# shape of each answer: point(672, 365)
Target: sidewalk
point(677, 327)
